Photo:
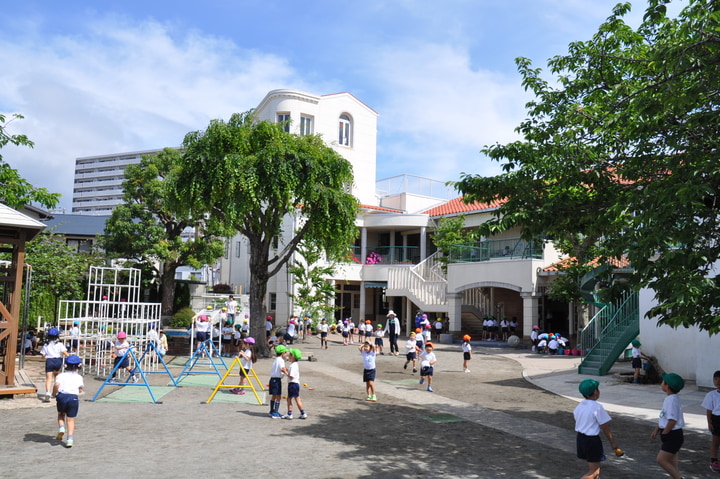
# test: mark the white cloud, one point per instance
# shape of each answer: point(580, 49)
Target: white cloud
point(123, 87)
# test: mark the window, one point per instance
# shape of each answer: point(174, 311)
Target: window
point(345, 130)
point(284, 119)
point(306, 125)
point(237, 249)
point(273, 301)
point(227, 249)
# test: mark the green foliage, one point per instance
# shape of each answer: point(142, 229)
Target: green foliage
point(313, 293)
point(621, 157)
point(451, 231)
point(16, 192)
point(246, 176)
point(147, 230)
point(182, 296)
point(182, 319)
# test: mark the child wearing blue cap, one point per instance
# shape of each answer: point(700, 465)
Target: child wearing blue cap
point(670, 425)
point(68, 386)
point(53, 351)
point(590, 419)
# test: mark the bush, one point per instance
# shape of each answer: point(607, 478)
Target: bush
point(182, 319)
point(222, 289)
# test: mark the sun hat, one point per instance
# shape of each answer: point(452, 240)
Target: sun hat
point(418, 330)
point(424, 316)
point(53, 332)
point(76, 323)
point(73, 359)
point(636, 343)
point(224, 308)
point(427, 326)
point(429, 344)
point(209, 307)
point(297, 354)
point(122, 334)
point(391, 313)
point(269, 317)
point(379, 325)
point(675, 382)
point(249, 340)
point(280, 349)
point(587, 387)
point(203, 317)
point(466, 337)
point(536, 327)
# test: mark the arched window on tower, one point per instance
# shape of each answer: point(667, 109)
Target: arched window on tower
point(345, 130)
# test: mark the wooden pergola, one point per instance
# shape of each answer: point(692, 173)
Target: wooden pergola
point(16, 229)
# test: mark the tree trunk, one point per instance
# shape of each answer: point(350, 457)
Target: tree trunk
point(258, 288)
point(167, 282)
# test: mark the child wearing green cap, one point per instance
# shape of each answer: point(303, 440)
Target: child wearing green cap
point(277, 371)
point(590, 419)
point(294, 355)
point(711, 403)
point(637, 357)
point(670, 425)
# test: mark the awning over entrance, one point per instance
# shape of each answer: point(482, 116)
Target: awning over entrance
point(376, 284)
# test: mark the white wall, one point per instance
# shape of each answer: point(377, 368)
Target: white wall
point(689, 352)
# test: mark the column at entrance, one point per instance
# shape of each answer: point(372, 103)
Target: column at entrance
point(530, 312)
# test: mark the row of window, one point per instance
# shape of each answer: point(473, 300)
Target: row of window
point(307, 128)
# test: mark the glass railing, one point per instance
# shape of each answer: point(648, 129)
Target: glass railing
point(510, 248)
point(384, 255)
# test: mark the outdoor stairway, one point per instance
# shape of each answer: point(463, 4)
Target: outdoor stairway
point(608, 334)
point(425, 284)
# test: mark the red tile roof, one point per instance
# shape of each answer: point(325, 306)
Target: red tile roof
point(618, 263)
point(379, 208)
point(457, 206)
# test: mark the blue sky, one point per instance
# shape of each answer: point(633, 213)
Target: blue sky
point(116, 76)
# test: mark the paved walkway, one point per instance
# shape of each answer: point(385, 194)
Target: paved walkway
point(558, 374)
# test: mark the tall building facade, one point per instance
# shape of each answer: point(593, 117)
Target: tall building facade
point(97, 187)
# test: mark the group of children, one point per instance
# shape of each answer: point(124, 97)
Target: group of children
point(591, 418)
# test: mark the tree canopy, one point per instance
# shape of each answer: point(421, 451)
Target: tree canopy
point(253, 178)
point(620, 156)
point(146, 229)
point(15, 191)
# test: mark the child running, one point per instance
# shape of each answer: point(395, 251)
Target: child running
point(53, 351)
point(467, 353)
point(411, 350)
point(427, 365)
point(248, 357)
point(277, 371)
point(68, 387)
point(294, 356)
point(368, 355)
point(590, 419)
point(670, 425)
point(712, 404)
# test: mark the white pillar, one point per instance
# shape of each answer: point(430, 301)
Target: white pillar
point(530, 312)
point(423, 243)
point(454, 312)
point(362, 301)
point(363, 244)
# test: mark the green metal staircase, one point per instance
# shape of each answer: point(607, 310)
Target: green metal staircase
point(610, 331)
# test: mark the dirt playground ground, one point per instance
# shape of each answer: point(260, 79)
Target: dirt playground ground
point(488, 423)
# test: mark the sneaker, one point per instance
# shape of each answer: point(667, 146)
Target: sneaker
point(405, 366)
point(373, 398)
point(275, 415)
point(430, 389)
point(422, 380)
point(69, 442)
point(288, 417)
point(414, 370)
point(303, 416)
point(133, 378)
point(46, 397)
point(112, 380)
point(60, 434)
point(369, 398)
point(466, 370)
point(715, 466)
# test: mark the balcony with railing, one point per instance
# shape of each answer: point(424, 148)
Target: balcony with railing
point(486, 250)
point(385, 255)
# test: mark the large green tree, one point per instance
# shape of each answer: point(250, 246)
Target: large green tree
point(255, 179)
point(621, 155)
point(146, 229)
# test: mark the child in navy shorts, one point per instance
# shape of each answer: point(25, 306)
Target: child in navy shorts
point(277, 372)
point(68, 386)
point(427, 364)
point(590, 419)
point(670, 425)
point(368, 354)
point(711, 403)
point(54, 352)
point(294, 355)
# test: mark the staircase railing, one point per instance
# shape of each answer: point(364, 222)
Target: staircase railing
point(610, 331)
point(425, 282)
